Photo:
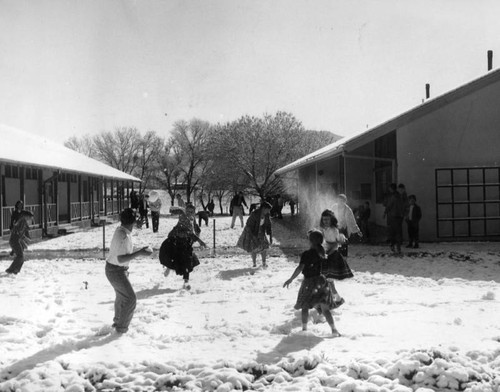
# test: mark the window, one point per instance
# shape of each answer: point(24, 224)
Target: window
point(468, 202)
point(383, 178)
point(366, 191)
point(385, 147)
point(11, 171)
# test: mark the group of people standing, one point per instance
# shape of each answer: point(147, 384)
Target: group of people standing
point(142, 204)
point(400, 207)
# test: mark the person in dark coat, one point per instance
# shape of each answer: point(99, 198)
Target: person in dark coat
point(412, 221)
point(394, 212)
point(16, 214)
point(19, 239)
point(364, 217)
point(134, 200)
point(211, 207)
point(236, 207)
point(253, 239)
point(176, 252)
point(143, 210)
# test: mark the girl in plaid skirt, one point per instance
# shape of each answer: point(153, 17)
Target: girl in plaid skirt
point(316, 290)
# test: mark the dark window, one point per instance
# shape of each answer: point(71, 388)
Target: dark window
point(27, 173)
point(468, 202)
point(11, 171)
point(383, 178)
point(385, 146)
point(366, 191)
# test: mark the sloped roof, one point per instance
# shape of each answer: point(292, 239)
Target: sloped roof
point(21, 147)
point(349, 143)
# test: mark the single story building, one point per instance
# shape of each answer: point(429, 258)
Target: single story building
point(446, 151)
point(61, 187)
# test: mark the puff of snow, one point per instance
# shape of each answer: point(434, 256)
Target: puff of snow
point(489, 296)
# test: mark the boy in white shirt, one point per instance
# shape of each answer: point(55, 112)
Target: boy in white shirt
point(121, 252)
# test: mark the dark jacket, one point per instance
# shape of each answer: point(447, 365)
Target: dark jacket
point(395, 207)
point(416, 214)
point(253, 223)
point(237, 201)
point(143, 206)
point(14, 218)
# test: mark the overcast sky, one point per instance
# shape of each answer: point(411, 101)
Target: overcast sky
point(82, 66)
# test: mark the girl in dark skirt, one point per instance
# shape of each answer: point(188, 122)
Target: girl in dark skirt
point(316, 290)
point(253, 239)
point(176, 252)
point(336, 267)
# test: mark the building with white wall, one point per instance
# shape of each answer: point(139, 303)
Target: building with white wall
point(58, 185)
point(446, 151)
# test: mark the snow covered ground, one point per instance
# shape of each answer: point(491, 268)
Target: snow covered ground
point(427, 320)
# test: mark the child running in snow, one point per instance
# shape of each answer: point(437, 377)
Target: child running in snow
point(176, 252)
point(316, 289)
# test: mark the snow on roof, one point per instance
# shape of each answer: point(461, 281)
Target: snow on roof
point(339, 146)
point(22, 147)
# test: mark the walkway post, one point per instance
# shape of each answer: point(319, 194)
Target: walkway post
point(103, 222)
point(214, 238)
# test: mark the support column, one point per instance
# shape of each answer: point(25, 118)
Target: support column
point(112, 196)
point(1, 199)
point(80, 195)
point(40, 195)
point(68, 187)
point(22, 193)
point(105, 196)
point(91, 198)
point(128, 193)
point(342, 175)
point(56, 197)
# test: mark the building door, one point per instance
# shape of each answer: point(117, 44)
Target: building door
point(468, 202)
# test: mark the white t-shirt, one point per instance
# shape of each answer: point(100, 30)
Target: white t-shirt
point(331, 239)
point(121, 244)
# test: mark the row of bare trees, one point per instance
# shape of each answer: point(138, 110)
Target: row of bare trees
point(213, 159)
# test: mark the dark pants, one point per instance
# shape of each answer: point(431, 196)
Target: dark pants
point(18, 262)
point(125, 300)
point(395, 230)
point(203, 216)
point(155, 219)
point(412, 232)
point(344, 248)
point(144, 219)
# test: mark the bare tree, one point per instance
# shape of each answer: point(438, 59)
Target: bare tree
point(119, 149)
point(169, 164)
point(84, 145)
point(147, 163)
point(257, 147)
point(189, 146)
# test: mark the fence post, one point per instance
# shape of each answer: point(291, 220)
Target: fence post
point(103, 222)
point(214, 238)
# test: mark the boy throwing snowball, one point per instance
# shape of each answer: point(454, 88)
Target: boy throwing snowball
point(121, 252)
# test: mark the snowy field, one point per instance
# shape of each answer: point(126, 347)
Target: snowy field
point(428, 320)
